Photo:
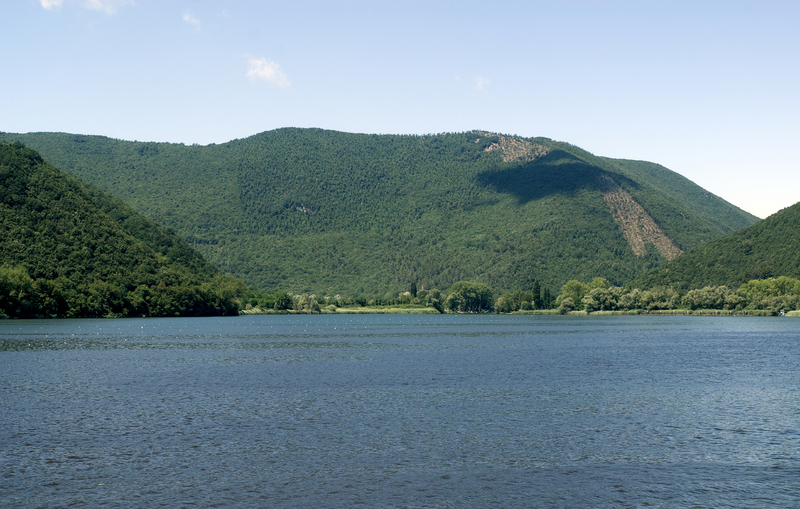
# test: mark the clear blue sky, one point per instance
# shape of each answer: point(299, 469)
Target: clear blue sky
point(710, 90)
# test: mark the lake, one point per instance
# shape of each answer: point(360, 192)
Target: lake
point(401, 411)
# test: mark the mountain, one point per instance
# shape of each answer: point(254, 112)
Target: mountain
point(769, 248)
point(310, 210)
point(68, 249)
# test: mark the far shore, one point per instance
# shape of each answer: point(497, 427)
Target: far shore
point(668, 312)
point(345, 311)
point(433, 311)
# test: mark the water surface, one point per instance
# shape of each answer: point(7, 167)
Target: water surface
point(401, 411)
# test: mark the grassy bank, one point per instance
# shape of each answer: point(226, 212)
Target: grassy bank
point(387, 311)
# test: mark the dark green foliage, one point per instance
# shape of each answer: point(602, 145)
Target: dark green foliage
point(66, 249)
point(707, 206)
point(547, 299)
point(523, 301)
point(282, 300)
point(537, 301)
point(163, 241)
point(762, 297)
point(469, 297)
point(769, 248)
point(308, 210)
point(574, 291)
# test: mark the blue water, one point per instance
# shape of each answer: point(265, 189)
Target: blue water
point(401, 411)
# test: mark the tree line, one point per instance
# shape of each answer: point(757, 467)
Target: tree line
point(461, 297)
point(769, 296)
point(22, 296)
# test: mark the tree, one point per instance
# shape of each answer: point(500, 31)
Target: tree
point(602, 298)
point(433, 299)
point(468, 297)
point(307, 303)
point(537, 295)
point(282, 300)
point(547, 299)
point(659, 298)
point(770, 287)
point(631, 300)
point(566, 306)
point(16, 291)
point(573, 290)
point(504, 304)
point(599, 282)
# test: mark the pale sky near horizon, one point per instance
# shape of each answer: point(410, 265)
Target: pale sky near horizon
point(709, 89)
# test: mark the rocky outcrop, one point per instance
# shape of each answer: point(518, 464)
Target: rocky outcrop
point(514, 149)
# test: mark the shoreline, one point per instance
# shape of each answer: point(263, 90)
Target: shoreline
point(667, 312)
point(546, 312)
point(345, 311)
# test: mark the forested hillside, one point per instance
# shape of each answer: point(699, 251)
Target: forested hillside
point(769, 248)
point(308, 210)
point(68, 249)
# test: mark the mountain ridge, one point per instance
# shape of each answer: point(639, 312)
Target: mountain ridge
point(316, 210)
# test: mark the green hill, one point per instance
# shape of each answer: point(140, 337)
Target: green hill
point(769, 248)
point(68, 249)
point(309, 210)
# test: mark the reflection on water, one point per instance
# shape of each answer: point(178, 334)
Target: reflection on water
point(401, 411)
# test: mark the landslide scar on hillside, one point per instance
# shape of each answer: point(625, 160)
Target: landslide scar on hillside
point(514, 149)
point(636, 224)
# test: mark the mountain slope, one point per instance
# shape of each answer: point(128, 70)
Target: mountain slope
point(769, 248)
point(325, 211)
point(68, 249)
point(694, 198)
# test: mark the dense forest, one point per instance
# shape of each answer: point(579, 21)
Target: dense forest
point(751, 264)
point(68, 249)
point(313, 211)
point(769, 248)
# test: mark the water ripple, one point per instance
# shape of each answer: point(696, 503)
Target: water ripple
point(400, 412)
